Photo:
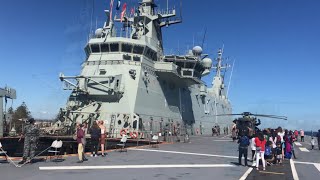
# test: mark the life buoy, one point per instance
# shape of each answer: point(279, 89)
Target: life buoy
point(123, 132)
point(133, 135)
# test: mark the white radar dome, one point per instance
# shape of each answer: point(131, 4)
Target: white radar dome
point(207, 62)
point(99, 32)
point(197, 50)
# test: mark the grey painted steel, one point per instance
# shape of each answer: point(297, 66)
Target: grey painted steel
point(128, 82)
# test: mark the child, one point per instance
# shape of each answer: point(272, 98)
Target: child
point(312, 143)
point(279, 153)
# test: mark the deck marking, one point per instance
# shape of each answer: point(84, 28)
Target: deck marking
point(317, 165)
point(304, 149)
point(177, 152)
point(246, 174)
point(297, 143)
point(269, 172)
point(300, 162)
point(135, 166)
point(226, 140)
point(294, 171)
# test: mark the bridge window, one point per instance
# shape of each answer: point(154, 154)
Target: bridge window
point(136, 58)
point(126, 48)
point(187, 73)
point(138, 49)
point(105, 48)
point(127, 57)
point(114, 47)
point(87, 50)
point(95, 48)
point(151, 54)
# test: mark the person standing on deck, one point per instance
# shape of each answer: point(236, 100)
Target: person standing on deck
point(313, 141)
point(302, 135)
point(243, 142)
point(31, 136)
point(80, 136)
point(253, 147)
point(318, 136)
point(95, 137)
point(102, 136)
point(260, 148)
point(296, 134)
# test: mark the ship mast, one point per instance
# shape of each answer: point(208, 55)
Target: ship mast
point(217, 83)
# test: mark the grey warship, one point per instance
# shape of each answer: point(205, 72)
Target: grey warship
point(128, 82)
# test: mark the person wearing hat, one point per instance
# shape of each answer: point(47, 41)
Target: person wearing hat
point(31, 135)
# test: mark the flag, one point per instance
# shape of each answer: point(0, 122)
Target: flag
point(111, 6)
point(124, 8)
point(118, 5)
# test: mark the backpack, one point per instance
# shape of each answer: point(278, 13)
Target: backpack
point(278, 139)
point(268, 151)
point(244, 141)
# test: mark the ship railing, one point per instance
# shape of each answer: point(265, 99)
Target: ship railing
point(146, 135)
point(126, 33)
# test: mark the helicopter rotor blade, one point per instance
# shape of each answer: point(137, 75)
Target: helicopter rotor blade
point(228, 114)
point(275, 117)
point(267, 115)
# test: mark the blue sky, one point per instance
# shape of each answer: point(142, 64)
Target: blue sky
point(276, 45)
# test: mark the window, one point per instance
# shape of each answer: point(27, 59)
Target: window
point(127, 57)
point(187, 73)
point(102, 72)
point(138, 49)
point(114, 47)
point(87, 50)
point(151, 54)
point(126, 48)
point(136, 58)
point(95, 48)
point(105, 48)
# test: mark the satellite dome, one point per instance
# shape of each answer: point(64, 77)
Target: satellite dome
point(197, 50)
point(207, 62)
point(99, 32)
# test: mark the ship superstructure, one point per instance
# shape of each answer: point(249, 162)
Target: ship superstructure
point(128, 82)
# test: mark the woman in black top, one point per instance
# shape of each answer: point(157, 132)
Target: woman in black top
point(95, 135)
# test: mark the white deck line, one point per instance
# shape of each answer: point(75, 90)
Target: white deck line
point(134, 166)
point(246, 174)
point(304, 149)
point(317, 165)
point(177, 152)
point(297, 143)
point(294, 171)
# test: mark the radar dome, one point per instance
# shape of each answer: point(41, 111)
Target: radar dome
point(99, 32)
point(207, 62)
point(197, 50)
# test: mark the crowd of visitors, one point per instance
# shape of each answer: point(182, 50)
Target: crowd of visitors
point(98, 137)
point(271, 146)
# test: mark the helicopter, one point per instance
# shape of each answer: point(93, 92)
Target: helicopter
point(248, 123)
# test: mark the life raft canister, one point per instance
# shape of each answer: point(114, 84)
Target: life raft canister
point(123, 132)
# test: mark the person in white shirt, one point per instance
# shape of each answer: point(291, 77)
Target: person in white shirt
point(253, 147)
point(313, 141)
